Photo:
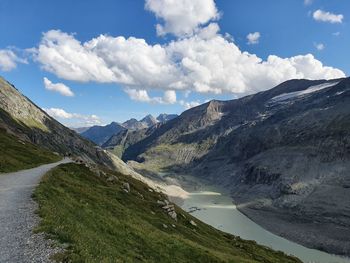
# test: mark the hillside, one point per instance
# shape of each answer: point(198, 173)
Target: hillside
point(279, 152)
point(112, 216)
point(23, 119)
point(30, 154)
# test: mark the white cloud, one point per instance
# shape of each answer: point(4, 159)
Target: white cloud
point(319, 46)
point(209, 32)
point(324, 16)
point(253, 38)
point(73, 119)
point(138, 95)
point(214, 65)
point(141, 95)
point(59, 113)
point(199, 60)
point(308, 2)
point(58, 87)
point(9, 60)
point(189, 104)
point(182, 17)
point(106, 59)
point(169, 97)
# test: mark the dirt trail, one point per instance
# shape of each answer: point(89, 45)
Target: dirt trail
point(17, 217)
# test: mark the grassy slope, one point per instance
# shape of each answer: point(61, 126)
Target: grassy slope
point(17, 155)
point(102, 223)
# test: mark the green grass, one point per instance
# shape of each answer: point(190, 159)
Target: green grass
point(101, 223)
point(17, 155)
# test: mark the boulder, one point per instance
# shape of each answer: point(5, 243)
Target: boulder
point(126, 187)
point(112, 179)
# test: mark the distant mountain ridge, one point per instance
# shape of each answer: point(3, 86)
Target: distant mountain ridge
point(101, 134)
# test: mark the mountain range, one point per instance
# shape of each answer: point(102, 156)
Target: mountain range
point(97, 208)
point(101, 134)
point(283, 154)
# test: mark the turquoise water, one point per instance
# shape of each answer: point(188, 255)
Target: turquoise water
point(217, 210)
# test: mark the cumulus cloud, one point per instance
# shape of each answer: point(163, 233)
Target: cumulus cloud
point(59, 113)
point(308, 2)
point(199, 60)
point(324, 16)
point(189, 104)
point(169, 96)
point(58, 87)
point(253, 38)
point(204, 65)
point(9, 60)
point(78, 120)
point(182, 17)
point(63, 55)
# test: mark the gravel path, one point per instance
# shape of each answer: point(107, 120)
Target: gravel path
point(18, 218)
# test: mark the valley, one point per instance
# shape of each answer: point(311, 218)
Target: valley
point(282, 154)
point(96, 208)
point(174, 131)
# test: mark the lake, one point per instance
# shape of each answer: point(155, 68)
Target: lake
point(218, 210)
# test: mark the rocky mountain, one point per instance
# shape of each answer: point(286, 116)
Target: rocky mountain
point(284, 155)
point(122, 140)
point(149, 120)
point(166, 117)
point(100, 134)
point(134, 124)
point(20, 117)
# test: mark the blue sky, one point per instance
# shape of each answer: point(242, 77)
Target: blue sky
point(194, 56)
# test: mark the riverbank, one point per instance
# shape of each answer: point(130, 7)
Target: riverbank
point(309, 234)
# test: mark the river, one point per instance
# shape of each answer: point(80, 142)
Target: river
point(218, 210)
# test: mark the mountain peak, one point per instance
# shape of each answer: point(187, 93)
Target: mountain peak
point(149, 120)
point(163, 117)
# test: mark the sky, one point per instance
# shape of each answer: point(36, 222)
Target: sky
point(91, 62)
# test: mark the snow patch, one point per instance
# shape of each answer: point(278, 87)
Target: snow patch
point(291, 95)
